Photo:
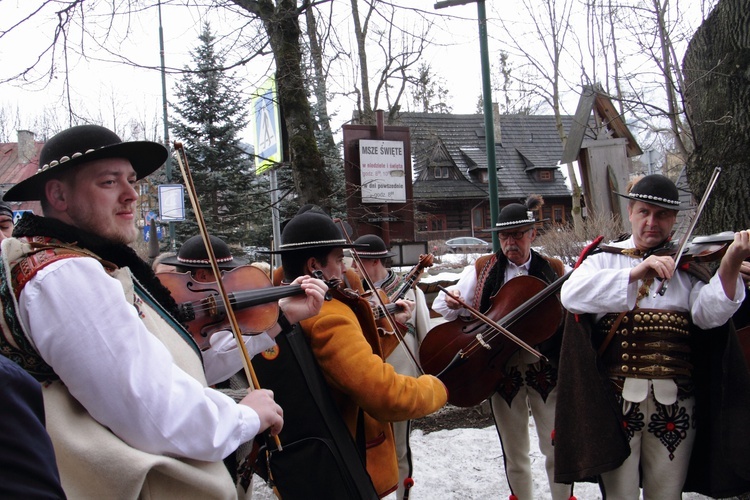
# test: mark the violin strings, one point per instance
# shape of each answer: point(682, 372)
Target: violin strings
point(200, 305)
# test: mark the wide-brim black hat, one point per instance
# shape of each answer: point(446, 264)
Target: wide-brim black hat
point(311, 207)
point(193, 253)
point(513, 216)
point(309, 230)
point(658, 190)
point(374, 247)
point(82, 144)
point(6, 209)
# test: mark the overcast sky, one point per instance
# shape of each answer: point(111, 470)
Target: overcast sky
point(105, 89)
point(101, 87)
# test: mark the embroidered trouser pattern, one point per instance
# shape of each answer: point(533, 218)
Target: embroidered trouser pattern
point(527, 387)
point(661, 440)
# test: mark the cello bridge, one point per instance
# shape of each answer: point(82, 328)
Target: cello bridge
point(481, 341)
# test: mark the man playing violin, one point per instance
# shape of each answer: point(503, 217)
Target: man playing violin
point(368, 392)
point(646, 343)
point(529, 383)
point(128, 407)
point(415, 315)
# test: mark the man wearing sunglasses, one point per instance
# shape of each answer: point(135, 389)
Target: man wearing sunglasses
point(529, 383)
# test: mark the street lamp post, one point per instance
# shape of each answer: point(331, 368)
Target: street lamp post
point(489, 126)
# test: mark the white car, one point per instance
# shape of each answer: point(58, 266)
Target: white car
point(468, 244)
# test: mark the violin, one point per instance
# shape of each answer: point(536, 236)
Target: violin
point(700, 249)
point(251, 294)
point(363, 309)
point(387, 305)
point(682, 245)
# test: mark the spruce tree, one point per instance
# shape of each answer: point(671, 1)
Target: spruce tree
point(211, 112)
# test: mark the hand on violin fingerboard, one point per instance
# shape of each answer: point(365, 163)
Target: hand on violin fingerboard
point(653, 266)
point(731, 263)
point(406, 309)
point(299, 307)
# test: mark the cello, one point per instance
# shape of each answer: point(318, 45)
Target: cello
point(471, 363)
point(468, 357)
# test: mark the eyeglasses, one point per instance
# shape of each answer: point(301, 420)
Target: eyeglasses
point(517, 235)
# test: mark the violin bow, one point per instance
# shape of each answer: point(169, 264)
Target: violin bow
point(386, 312)
point(488, 321)
point(663, 284)
point(247, 365)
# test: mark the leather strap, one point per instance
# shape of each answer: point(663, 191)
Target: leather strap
point(611, 333)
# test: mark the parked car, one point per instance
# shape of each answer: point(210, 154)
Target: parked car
point(468, 244)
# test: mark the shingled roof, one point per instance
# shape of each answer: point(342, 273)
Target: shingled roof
point(526, 143)
point(18, 161)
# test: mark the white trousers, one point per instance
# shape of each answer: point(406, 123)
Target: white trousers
point(661, 440)
point(403, 364)
point(512, 423)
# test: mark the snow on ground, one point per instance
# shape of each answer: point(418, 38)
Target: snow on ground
point(466, 463)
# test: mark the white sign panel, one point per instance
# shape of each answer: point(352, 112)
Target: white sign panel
point(171, 202)
point(383, 172)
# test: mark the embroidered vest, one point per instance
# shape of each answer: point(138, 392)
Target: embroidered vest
point(94, 462)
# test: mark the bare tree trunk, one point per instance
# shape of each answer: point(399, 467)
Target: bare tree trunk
point(716, 66)
point(616, 62)
point(281, 22)
point(319, 81)
point(669, 71)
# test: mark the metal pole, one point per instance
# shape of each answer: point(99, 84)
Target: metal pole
point(489, 124)
point(275, 222)
point(168, 164)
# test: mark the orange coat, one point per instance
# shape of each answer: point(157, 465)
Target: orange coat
point(359, 378)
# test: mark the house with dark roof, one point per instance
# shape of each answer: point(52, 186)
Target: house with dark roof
point(19, 160)
point(450, 170)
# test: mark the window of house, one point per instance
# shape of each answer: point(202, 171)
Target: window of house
point(436, 222)
point(477, 218)
point(539, 215)
point(558, 214)
point(545, 175)
point(441, 172)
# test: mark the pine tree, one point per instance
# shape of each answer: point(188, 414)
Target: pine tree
point(211, 113)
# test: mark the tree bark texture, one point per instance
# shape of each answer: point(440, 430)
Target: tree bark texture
point(281, 22)
point(717, 76)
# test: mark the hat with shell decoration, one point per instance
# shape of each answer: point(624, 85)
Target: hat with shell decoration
point(82, 144)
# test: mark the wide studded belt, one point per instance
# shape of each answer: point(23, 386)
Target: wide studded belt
point(648, 343)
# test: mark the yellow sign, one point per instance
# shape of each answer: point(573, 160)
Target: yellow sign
point(266, 127)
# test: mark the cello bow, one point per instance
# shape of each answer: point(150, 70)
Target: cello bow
point(493, 324)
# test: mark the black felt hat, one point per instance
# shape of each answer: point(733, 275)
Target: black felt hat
point(193, 253)
point(375, 247)
point(311, 229)
point(518, 215)
point(82, 144)
point(658, 190)
point(6, 209)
